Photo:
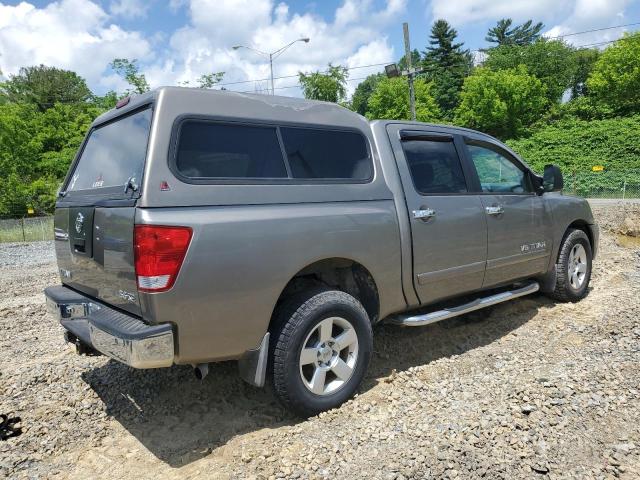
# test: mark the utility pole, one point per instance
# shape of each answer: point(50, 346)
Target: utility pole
point(407, 52)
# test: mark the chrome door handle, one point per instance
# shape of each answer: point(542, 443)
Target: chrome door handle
point(424, 214)
point(494, 210)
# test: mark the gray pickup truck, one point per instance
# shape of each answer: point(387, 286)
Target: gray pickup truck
point(198, 226)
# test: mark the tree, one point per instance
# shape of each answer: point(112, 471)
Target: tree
point(36, 149)
point(206, 80)
point(415, 60)
point(390, 100)
point(585, 60)
point(329, 86)
point(44, 87)
point(504, 34)
point(446, 63)
point(129, 70)
point(551, 61)
point(362, 94)
point(502, 103)
point(615, 79)
point(106, 101)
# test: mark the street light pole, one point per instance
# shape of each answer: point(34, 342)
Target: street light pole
point(272, 55)
point(271, 72)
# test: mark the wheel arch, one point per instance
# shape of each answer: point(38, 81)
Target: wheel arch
point(587, 228)
point(343, 274)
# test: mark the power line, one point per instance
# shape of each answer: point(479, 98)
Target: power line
point(430, 67)
point(594, 30)
point(239, 82)
point(297, 85)
point(296, 75)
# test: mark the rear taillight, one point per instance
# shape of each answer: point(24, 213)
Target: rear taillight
point(159, 252)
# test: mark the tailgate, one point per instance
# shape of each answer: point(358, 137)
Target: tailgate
point(94, 248)
point(94, 218)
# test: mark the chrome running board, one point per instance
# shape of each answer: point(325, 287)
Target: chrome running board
point(477, 304)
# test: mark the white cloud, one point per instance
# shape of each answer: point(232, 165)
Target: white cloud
point(560, 16)
point(130, 8)
point(589, 15)
point(352, 38)
point(80, 35)
point(460, 12)
point(70, 34)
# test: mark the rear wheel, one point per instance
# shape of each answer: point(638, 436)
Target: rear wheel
point(321, 350)
point(573, 267)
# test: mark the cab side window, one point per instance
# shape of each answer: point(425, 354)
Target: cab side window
point(497, 172)
point(435, 166)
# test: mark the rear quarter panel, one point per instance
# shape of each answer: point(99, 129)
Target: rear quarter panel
point(241, 258)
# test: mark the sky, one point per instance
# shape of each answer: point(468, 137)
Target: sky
point(176, 41)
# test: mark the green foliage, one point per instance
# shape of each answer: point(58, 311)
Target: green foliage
point(502, 103)
point(415, 60)
point(206, 80)
point(360, 98)
point(577, 145)
point(446, 64)
point(106, 101)
point(582, 108)
point(390, 100)
point(504, 34)
point(551, 61)
point(585, 60)
point(129, 70)
point(36, 149)
point(329, 86)
point(44, 87)
point(615, 79)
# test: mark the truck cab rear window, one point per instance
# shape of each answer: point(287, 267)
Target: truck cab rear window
point(113, 154)
point(327, 154)
point(209, 150)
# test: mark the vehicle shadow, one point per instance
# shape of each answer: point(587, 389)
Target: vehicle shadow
point(180, 419)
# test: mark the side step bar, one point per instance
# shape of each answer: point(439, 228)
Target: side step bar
point(433, 317)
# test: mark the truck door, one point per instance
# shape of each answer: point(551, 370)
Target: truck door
point(519, 224)
point(448, 225)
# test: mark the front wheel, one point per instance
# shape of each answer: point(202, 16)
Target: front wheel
point(321, 352)
point(573, 268)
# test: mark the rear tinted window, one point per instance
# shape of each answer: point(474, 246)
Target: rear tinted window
point(213, 150)
point(113, 153)
point(327, 154)
point(435, 166)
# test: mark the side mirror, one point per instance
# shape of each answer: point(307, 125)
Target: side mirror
point(552, 179)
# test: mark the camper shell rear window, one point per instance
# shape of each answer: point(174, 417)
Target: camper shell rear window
point(113, 155)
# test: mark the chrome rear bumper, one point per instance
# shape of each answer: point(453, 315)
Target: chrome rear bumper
point(118, 335)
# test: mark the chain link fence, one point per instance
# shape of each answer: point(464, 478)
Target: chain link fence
point(621, 184)
point(616, 184)
point(26, 229)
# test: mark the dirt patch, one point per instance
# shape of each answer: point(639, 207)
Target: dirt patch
point(524, 389)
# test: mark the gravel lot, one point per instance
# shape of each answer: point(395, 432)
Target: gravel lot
point(525, 390)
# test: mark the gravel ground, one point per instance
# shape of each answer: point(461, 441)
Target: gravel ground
point(26, 254)
point(527, 389)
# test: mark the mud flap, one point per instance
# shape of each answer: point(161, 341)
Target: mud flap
point(253, 363)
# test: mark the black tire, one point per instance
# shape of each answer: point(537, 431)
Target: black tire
point(564, 291)
point(295, 321)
